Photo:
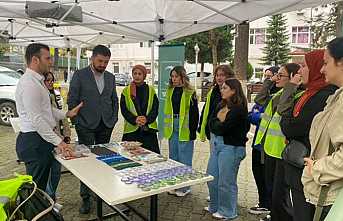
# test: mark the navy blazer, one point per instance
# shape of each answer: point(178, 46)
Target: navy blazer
point(96, 106)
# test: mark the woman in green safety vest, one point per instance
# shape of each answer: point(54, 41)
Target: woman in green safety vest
point(181, 117)
point(273, 141)
point(213, 98)
point(229, 127)
point(139, 107)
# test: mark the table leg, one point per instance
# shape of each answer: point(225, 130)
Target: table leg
point(99, 208)
point(153, 208)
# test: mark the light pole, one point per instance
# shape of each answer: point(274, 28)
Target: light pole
point(196, 49)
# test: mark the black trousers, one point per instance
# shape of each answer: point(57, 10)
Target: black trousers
point(259, 176)
point(303, 211)
point(269, 172)
point(282, 209)
point(37, 155)
point(99, 135)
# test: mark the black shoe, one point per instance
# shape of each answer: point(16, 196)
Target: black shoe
point(257, 210)
point(85, 207)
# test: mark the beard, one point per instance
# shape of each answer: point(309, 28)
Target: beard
point(99, 69)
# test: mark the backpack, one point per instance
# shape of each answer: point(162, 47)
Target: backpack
point(27, 202)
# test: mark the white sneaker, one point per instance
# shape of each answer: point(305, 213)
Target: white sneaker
point(182, 194)
point(206, 208)
point(208, 199)
point(218, 216)
point(171, 192)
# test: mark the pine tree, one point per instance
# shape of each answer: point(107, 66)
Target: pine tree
point(277, 49)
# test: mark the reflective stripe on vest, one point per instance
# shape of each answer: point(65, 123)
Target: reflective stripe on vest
point(274, 142)
point(202, 134)
point(184, 134)
point(129, 128)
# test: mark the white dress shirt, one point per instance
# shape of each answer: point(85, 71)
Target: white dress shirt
point(34, 108)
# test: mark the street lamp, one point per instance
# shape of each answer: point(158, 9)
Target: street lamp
point(196, 49)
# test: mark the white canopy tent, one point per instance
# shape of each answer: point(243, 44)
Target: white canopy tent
point(125, 21)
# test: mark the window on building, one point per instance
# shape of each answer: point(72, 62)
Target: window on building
point(300, 34)
point(115, 67)
point(146, 44)
point(148, 66)
point(257, 36)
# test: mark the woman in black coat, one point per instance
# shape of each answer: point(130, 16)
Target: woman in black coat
point(297, 116)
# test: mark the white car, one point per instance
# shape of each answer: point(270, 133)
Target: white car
point(8, 84)
point(208, 77)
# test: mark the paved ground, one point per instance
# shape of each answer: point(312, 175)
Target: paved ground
point(170, 207)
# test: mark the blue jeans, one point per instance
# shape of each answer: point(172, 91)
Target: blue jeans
point(54, 179)
point(181, 151)
point(223, 165)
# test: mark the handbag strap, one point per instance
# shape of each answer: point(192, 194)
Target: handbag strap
point(323, 192)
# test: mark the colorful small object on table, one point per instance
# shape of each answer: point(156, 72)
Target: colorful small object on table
point(149, 177)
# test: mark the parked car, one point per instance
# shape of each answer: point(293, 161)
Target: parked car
point(8, 84)
point(122, 79)
point(208, 77)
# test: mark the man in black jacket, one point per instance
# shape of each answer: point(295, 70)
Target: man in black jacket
point(96, 88)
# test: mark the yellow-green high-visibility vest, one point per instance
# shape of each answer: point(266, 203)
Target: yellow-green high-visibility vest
point(9, 192)
point(184, 134)
point(129, 128)
point(202, 134)
point(270, 128)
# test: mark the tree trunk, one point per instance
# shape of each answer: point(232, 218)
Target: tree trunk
point(214, 46)
point(339, 19)
point(241, 51)
point(202, 65)
point(56, 57)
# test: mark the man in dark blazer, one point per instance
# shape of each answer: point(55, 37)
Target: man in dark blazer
point(95, 87)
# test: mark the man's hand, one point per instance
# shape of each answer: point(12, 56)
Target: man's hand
point(65, 149)
point(296, 79)
point(73, 112)
point(309, 164)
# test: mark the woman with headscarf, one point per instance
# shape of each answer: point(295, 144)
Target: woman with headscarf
point(323, 174)
point(297, 116)
point(181, 118)
point(139, 107)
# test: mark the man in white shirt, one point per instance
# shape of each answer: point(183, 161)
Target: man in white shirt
point(37, 138)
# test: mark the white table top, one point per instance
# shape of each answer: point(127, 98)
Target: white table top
point(103, 180)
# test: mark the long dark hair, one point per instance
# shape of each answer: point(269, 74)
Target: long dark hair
point(335, 48)
point(291, 68)
point(238, 99)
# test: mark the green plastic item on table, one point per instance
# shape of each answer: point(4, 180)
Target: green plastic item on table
point(335, 213)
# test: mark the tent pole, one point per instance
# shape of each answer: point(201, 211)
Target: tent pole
point(68, 54)
point(78, 58)
point(152, 63)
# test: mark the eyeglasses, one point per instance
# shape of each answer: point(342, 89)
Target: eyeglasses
point(279, 76)
point(49, 80)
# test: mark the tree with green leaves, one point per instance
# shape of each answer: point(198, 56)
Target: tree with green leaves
point(326, 24)
point(277, 48)
point(215, 46)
